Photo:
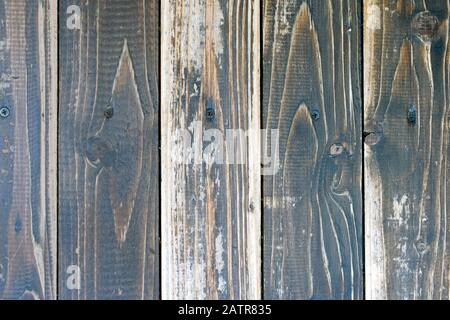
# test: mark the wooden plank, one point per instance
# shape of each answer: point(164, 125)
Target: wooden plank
point(311, 95)
point(28, 106)
point(109, 162)
point(406, 67)
point(210, 206)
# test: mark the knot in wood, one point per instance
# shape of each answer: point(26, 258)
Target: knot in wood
point(209, 110)
point(336, 149)
point(315, 114)
point(99, 150)
point(421, 246)
point(373, 134)
point(372, 138)
point(4, 112)
point(109, 112)
point(412, 114)
point(425, 25)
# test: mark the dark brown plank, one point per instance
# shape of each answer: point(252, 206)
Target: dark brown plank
point(28, 105)
point(406, 67)
point(108, 159)
point(312, 204)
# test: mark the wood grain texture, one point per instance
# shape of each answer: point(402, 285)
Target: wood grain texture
point(312, 205)
point(406, 67)
point(28, 93)
point(108, 159)
point(210, 208)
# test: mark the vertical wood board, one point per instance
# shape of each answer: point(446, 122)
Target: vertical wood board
point(108, 151)
point(406, 68)
point(28, 107)
point(210, 191)
point(312, 204)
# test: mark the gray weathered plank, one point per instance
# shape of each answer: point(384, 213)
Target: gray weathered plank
point(312, 205)
point(28, 102)
point(406, 67)
point(210, 210)
point(108, 159)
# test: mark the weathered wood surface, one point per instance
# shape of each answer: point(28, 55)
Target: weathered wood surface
point(108, 150)
point(28, 102)
point(406, 67)
point(312, 205)
point(210, 211)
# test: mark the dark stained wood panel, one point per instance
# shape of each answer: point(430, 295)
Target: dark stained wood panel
point(312, 204)
point(108, 150)
point(210, 204)
point(28, 106)
point(406, 67)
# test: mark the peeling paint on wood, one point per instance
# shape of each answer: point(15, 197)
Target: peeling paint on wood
point(210, 211)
